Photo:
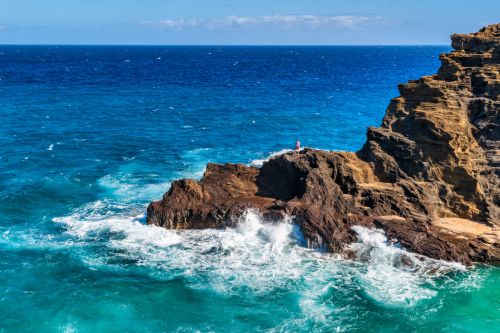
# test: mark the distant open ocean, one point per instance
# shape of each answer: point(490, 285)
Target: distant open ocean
point(90, 135)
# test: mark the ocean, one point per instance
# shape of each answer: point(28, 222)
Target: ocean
point(89, 135)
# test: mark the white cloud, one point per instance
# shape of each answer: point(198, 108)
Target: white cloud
point(178, 24)
point(287, 21)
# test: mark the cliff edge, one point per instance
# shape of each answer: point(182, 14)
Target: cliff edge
point(429, 176)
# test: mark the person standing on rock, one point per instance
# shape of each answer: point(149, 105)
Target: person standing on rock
point(297, 145)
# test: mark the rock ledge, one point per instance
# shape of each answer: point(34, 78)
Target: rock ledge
point(429, 176)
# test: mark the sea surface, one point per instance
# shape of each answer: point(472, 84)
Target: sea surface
point(90, 135)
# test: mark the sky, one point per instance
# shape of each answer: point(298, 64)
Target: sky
point(244, 22)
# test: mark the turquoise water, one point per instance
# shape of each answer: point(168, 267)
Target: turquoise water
point(90, 135)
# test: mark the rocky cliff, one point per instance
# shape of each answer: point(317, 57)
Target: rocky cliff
point(429, 176)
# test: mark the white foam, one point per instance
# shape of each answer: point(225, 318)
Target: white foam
point(69, 328)
point(256, 257)
point(50, 147)
point(258, 162)
point(394, 276)
point(102, 219)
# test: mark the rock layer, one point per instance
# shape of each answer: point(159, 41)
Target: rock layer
point(429, 176)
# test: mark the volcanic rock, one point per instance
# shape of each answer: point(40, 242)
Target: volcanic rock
point(429, 176)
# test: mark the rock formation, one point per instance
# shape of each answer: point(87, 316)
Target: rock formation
point(429, 176)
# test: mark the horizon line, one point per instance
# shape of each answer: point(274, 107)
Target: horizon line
point(218, 45)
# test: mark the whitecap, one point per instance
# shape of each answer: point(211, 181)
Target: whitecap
point(256, 256)
point(393, 276)
point(112, 223)
point(259, 162)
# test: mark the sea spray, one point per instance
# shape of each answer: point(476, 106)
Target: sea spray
point(258, 162)
point(258, 255)
point(393, 276)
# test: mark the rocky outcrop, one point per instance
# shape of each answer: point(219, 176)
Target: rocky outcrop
point(429, 176)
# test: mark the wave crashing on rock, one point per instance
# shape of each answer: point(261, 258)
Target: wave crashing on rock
point(429, 176)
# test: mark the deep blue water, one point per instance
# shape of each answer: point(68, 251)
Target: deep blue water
point(89, 135)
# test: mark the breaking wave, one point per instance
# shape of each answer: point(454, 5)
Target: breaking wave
point(256, 257)
point(259, 162)
point(394, 276)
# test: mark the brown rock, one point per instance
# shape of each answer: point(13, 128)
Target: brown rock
point(429, 176)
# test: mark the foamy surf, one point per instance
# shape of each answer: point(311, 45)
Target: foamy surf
point(393, 276)
point(104, 221)
point(257, 256)
point(259, 162)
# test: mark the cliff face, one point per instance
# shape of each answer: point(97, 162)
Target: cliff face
point(443, 130)
point(429, 175)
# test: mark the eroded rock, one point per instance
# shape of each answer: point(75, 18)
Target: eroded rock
point(429, 175)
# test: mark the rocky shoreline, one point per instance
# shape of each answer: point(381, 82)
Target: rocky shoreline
point(429, 176)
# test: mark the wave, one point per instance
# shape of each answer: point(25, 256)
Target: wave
point(256, 257)
point(392, 275)
point(258, 162)
point(248, 255)
point(102, 221)
point(129, 188)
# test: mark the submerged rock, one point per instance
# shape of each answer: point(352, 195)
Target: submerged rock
point(429, 176)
